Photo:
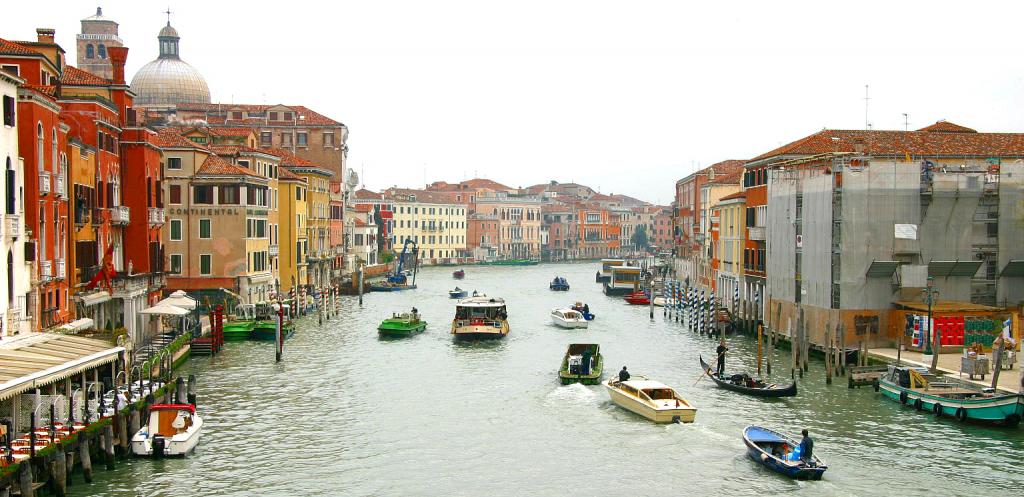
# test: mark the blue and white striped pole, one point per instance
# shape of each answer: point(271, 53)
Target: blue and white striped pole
point(713, 319)
point(735, 300)
point(703, 308)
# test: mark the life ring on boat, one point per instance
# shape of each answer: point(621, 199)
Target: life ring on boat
point(937, 410)
point(918, 404)
point(903, 398)
point(961, 414)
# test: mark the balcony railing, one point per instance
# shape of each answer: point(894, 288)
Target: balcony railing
point(14, 314)
point(273, 250)
point(61, 270)
point(62, 190)
point(119, 215)
point(44, 182)
point(157, 216)
point(45, 270)
point(756, 233)
point(12, 225)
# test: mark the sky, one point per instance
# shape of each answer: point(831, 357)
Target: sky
point(626, 97)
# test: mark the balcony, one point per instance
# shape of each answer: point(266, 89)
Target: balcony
point(61, 270)
point(756, 233)
point(44, 182)
point(273, 250)
point(157, 216)
point(12, 225)
point(45, 270)
point(62, 190)
point(119, 215)
point(14, 315)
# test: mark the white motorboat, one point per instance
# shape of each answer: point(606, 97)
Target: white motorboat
point(651, 399)
point(659, 301)
point(173, 430)
point(568, 318)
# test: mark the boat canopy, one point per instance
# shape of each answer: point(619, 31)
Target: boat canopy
point(758, 434)
point(644, 384)
point(579, 348)
point(481, 302)
point(173, 407)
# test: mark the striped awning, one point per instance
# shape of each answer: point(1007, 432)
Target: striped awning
point(38, 359)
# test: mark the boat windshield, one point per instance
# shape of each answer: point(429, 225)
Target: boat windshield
point(660, 393)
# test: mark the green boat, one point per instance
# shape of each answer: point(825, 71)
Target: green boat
point(510, 262)
point(582, 363)
point(239, 327)
point(916, 387)
point(404, 324)
point(265, 328)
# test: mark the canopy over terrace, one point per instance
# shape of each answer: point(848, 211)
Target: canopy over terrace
point(38, 359)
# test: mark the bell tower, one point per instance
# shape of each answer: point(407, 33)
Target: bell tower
point(98, 34)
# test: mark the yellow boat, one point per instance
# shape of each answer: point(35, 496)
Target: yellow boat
point(651, 399)
point(480, 317)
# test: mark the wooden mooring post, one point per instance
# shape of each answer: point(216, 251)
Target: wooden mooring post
point(828, 353)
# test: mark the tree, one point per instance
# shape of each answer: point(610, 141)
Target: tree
point(639, 238)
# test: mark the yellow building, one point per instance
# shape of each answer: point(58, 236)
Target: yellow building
point(732, 221)
point(436, 225)
point(317, 222)
point(292, 229)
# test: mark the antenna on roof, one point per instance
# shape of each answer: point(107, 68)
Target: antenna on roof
point(906, 122)
point(866, 99)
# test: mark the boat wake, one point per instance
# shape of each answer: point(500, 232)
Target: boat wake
point(575, 392)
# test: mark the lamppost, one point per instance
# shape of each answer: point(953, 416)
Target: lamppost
point(929, 294)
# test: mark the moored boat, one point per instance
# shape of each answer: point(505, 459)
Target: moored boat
point(624, 280)
point(173, 430)
point(743, 383)
point(605, 274)
point(510, 262)
point(387, 286)
point(239, 326)
point(776, 452)
point(480, 317)
point(459, 274)
point(582, 363)
point(913, 386)
point(651, 399)
point(559, 284)
point(404, 324)
point(568, 318)
point(265, 328)
point(457, 293)
point(638, 298)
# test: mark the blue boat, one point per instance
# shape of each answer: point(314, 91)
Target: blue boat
point(774, 451)
point(917, 387)
point(457, 293)
point(559, 284)
point(585, 310)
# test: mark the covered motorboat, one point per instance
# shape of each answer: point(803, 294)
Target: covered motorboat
point(173, 430)
point(568, 318)
point(480, 317)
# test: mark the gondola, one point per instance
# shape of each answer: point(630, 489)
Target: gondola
point(744, 384)
point(776, 452)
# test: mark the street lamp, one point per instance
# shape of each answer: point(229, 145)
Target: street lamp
point(929, 293)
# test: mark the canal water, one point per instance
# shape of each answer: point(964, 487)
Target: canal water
point(348, 413)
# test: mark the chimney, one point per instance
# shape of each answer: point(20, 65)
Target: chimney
point(118, 56)
point(45, 35)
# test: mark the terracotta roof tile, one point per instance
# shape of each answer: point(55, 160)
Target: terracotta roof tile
point(48, 92)
point(899, 143)
point(214, 165)
point(360, 222)
point(75, 76)
point(364, 194)
point(947, 127)
point(289, 159)
point(734, 196)
point(285, 174)
point(311, 117)
point(8, 47)
point(171, 138)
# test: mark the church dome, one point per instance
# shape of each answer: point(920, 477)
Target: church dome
point(168, 80)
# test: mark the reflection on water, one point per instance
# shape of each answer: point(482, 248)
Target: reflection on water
point(348, 413)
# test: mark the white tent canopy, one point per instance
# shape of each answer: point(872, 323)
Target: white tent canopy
point(179, 299)
point(164, 310)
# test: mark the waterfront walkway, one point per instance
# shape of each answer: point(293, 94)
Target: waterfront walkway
point(1009, 379)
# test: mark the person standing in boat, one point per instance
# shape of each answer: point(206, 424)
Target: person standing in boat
point(721, 350)
point(806, 447)
point(623, 375)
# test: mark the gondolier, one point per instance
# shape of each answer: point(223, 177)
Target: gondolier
point(721, 350)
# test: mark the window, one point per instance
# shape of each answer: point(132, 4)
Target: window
point(265, 138)
point(8, 110)
point(302, 138)
point(286, 139)
point(205, 263)
point(11, 69)
point(204, 229)
point(175, 194)
point(175, 230)
point(273, 116)
point(236, 115)
point(39, 145)
point(229, 195)
point(328, 138)
point(174, 163)
point(202, 194)
point(90, 51)
point(102, 51)
point(298, 194)
point(175, 263)
point(287, 116)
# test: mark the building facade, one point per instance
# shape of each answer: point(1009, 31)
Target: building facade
point(436, 226)
point(17, 285)
point(98, 35)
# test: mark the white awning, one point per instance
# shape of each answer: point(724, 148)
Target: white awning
point(79, 325)
point(164, 310)
point(94, 298)
point(32, 360)
point(179, 299)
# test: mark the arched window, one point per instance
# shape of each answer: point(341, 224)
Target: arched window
point(103, 51)
point(9, 186)
point(90, 53)
point(53, 148)
point(39, 145)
